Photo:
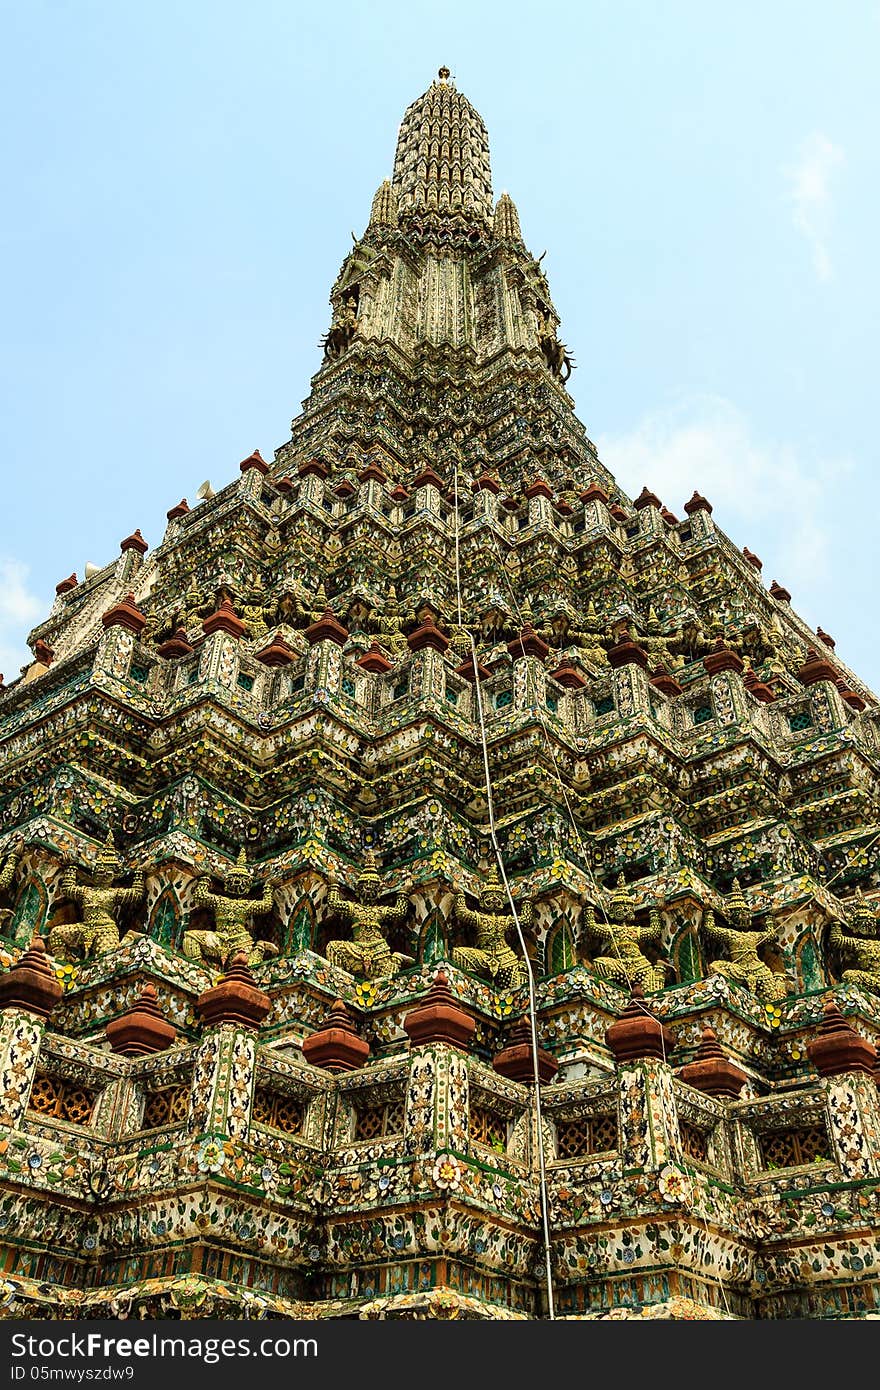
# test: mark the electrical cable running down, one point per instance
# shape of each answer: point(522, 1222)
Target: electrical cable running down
point(539, 1125)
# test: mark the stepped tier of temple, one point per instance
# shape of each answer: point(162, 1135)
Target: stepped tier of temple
point(265, 1038)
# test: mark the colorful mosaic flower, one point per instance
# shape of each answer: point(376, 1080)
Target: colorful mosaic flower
point(446, 1173)
point(210, 1156)
point(67, 974)
point(674, 1186)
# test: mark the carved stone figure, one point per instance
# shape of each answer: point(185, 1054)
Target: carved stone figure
point(6, 879)
point(368, 954)
point(339, 336)
point(97, 933)
point(492, 956)
point(556, 354)
point(626, 964)
point(858, 942)
point(745, 966)
point(232, 911)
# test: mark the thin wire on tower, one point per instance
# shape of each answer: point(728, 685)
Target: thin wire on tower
point(533, 1024)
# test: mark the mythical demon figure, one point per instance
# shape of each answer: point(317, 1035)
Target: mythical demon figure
point(745, 966)
point(626, 964)
point(97, 933)
point(232, 911)
point(492, 956)
point(368, 954)
point(858, 943)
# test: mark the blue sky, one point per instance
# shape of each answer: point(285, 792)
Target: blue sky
point(181, 181)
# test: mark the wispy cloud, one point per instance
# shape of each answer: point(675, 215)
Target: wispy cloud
point(765, 494)
point(19, 610)
point(809, 181)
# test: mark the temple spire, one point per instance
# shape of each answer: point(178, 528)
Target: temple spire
point(442, 160)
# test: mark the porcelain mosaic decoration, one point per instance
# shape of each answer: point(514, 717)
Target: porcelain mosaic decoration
point(265, 1037)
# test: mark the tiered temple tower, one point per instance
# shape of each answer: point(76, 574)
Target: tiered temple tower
point(265, 1032)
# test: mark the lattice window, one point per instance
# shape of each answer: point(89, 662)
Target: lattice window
point(401, 689)
point(503, 699)
point(55, 1099)
point(605, 705)
point(278, 1111)
point(378, 1121)
point(790, 1148)
point(694, 1141)
point(488, 1127)
point(594, 1134)
point(165, 1107)
point(139, 674)
point(802, 720)
point(348, 686)
point(702, 714)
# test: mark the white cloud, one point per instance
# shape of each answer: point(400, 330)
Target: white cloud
point(765, 494)
point(19, 611)
point(810, 192)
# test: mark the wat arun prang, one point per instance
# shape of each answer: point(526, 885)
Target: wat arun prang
point(265, 1030)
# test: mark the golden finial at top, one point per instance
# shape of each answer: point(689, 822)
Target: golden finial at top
point(443, 74)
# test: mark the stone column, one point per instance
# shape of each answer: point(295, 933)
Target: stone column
point(647, 1116)
point(218, 659)
point(253, 470)
point(648, 505)
point(539, 494)
point(700, 513)
point(428, 676)
point(326, 638)
point(728, 692)
point(437, 1105)
point(123, 624)
point(28, 993)
point(529, 653)
point(313, 474)
point(221, 1090)
point(486, 490)
point(632, 687)
point(133, 549)
point(428, 492)
point(846, 1061)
